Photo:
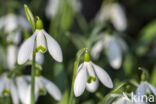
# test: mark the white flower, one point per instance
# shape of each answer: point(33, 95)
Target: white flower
point(12, 25)
point(145, 88)
point(87, 77)
point(11, 56)
point(115, 13)
point(8, 88)
point(39, 41)
point(44, 84)
point(10, 22)
point(114, 47)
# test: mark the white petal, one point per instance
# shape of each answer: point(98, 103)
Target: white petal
point(26, 49)
point(118, 17)
point(80, 81)
point(14, 93)
point(52, 89)
point(11, 56)
point(28, 95)
point(153, 89)
point(11, 23)
point(96, 50)
point(53, 47)
point(40, 41)
point(39, 58)
point(22, 88)
point(113, 53)
point(103, 76)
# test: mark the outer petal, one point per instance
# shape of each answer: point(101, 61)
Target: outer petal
point(52, 89)
point(22, 86)
point(11, 56)
point(114, 54)
point(97, 48)
point(26, 49)
point(14, 93)
point(28, 95)
point(53, 47)
point(80, 81)
point(103, 76)
point(118, 17)
point(153, 89)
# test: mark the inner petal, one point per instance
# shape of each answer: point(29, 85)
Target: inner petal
point(91, 73)
point(41, 42)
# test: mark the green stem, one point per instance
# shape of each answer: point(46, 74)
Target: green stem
point(33, 79)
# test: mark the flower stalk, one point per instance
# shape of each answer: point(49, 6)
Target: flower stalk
point(33, 78)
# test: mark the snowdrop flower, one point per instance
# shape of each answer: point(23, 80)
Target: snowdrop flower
point(43, 85)
point(88, 76)
point(40, 41)
point(10, 22)
point(114, 47)
point(145, 88)
point(8, 88)
point(11, 56)
point(115, 13)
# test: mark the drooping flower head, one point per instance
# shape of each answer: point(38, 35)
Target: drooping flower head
point(114, 46)
point(88, 76)
point(39, 41)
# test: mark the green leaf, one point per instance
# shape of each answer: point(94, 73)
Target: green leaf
point(30, 17)
point(64, 98)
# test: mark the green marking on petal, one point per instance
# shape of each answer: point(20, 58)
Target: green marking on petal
point(41, 48)
point(42, 91)
point(91, 78)
point(6, 92)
